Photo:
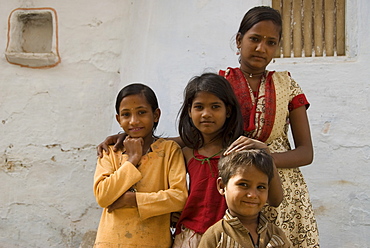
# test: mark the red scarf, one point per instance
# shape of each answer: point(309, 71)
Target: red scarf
point(256, 126)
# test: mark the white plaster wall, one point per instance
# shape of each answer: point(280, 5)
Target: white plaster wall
point(52, 119)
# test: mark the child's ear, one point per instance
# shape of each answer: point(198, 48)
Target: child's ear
point(156, 115)
point(189, 113)
point(238, 39)
point(117, 118)
point(228, 112)
point(220, 186)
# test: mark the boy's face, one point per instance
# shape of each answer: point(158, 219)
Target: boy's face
point(246, 192)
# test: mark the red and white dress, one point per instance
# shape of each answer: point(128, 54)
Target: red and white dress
point(266, 118)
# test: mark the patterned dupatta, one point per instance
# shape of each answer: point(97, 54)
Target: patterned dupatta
point(258, 114)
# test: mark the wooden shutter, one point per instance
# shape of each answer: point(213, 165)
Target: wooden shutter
point(311, 28)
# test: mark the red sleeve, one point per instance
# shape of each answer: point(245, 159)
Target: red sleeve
point(298, 101)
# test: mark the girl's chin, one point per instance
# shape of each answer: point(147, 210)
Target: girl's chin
point(139, 135)
point(134, 135)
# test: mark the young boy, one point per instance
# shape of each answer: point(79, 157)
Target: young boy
point(244, 181)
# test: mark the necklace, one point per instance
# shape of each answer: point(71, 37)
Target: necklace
point(253, 74)
point(262, 80)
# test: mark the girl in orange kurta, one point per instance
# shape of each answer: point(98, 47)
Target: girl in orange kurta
point(140, 186)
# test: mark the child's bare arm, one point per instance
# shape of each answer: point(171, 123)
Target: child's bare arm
point(116, 139)
point(302, 154)
point(275, 194)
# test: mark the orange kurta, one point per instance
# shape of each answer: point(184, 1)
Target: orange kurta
point(160, 181)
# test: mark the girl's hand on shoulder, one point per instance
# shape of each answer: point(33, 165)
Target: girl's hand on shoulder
point(116, 139)
point(134, 149)
point(245, 143)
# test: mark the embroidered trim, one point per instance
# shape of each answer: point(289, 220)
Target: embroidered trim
point(259, 117)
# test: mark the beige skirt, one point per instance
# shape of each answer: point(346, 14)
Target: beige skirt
point(295, 215)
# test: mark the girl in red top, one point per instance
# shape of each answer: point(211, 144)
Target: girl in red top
point(210, 120)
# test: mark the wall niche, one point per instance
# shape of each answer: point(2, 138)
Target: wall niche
point(33, 38)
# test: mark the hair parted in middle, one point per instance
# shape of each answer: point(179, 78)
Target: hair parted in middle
point(221, 88)
point(229, 165)
point(258, 14)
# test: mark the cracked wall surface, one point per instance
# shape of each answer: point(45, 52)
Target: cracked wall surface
point(51, 122)
point(52, 119)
